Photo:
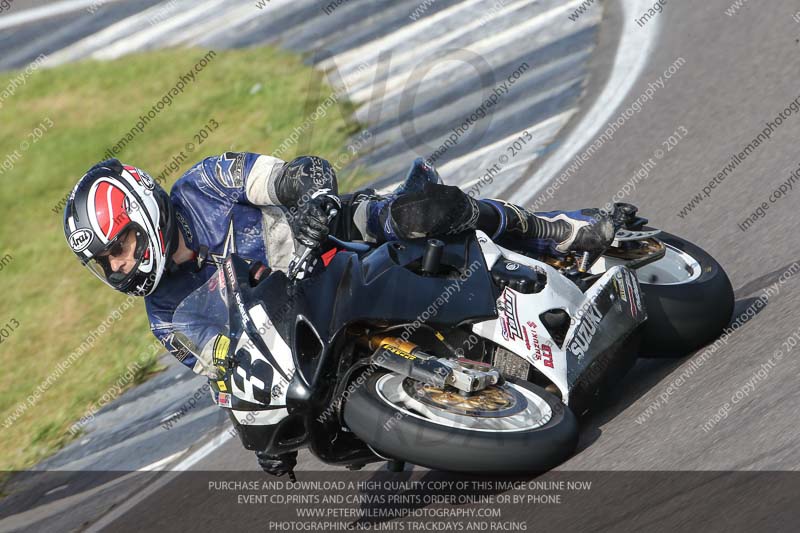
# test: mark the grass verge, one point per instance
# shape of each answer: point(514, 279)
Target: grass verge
point(55, 126)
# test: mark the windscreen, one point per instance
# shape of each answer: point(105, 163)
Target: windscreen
point(203, 314)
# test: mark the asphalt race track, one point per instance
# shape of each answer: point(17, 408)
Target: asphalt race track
point(733, 408)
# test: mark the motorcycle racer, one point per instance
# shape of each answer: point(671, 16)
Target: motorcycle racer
point(131, 234)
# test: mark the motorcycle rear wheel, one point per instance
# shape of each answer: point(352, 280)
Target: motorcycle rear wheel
point(688, 297)
point(538, 436)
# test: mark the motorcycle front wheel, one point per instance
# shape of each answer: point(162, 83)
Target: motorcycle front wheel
point(514, 428)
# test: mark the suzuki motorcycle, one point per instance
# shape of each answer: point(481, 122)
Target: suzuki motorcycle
point(454, 354)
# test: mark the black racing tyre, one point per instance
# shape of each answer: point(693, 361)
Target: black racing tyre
point(687, 314)
point(401, 434)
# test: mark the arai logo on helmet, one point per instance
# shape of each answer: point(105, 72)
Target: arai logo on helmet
point(141, 177)
point(79, 240)
point(147, 181)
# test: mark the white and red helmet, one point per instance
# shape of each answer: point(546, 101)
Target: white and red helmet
point(110, 201)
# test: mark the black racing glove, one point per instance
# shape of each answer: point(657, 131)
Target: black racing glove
point(277, 465)
point(310, 225)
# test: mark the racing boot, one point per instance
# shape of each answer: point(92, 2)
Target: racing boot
point(554, 232)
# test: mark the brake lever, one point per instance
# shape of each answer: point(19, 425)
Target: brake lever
point(297, 260)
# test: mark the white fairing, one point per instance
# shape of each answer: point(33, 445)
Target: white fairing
point(532, 341)
point(518, 327)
